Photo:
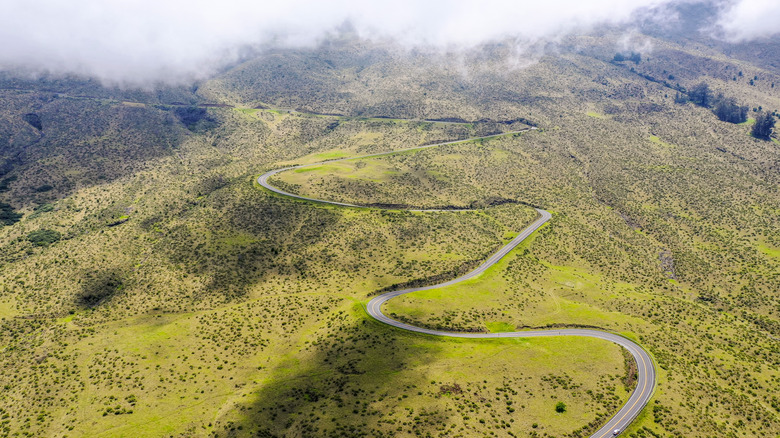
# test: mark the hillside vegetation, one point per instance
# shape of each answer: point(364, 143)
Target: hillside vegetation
point(149, 287)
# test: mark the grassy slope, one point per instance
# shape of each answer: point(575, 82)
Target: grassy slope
point(417, 178)
point(163, 349)
point(658, 177)
point(215, 286)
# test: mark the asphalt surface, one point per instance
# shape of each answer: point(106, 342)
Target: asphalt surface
point(646, 375)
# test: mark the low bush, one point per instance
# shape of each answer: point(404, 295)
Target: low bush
point(43, 237)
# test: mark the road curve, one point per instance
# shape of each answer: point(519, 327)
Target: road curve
point(646, 375)
point(263, 179)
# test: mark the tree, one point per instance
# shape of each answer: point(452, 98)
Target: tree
point(727, 110)
point(634, 57)
point(765, 125)
point(701, 95)
point(560, 407)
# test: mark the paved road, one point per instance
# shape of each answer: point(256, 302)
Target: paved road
point(263, 179)
point(646, 376)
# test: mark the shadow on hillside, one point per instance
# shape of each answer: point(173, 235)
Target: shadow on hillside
point(256, 237)
point(98, 287)
point(78, 142)
point(339, 386)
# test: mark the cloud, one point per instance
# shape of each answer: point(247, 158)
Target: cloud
point(750, 19)
point(136, 42)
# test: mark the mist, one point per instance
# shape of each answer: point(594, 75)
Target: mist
point(141, 42)
point(750, 19)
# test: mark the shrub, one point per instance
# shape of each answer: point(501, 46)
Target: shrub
point(701, 95)
point(765, 124)
point(43, 237)
point(727, 110)
point(44, 208)
point(634, 57)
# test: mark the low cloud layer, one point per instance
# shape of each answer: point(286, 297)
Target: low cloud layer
point(750, 19)
point(137, 42)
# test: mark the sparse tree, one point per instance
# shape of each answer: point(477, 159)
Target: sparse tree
point(701, 95)
point(727, 110)
point(765, 125)
point(634, 57)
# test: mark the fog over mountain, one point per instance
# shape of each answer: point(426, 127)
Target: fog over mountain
point(749, 19)
point(146, 41)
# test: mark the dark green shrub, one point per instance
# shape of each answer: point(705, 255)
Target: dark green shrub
point(765, 124)
point(727, 110)
point(701, 95)
point(43, 237)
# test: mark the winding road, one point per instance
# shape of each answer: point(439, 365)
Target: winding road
point(646, 375)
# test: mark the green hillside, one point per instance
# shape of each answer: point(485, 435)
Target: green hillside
point(150, 287)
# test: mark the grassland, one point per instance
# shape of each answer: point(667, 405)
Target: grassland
point(384, 180)
point(366, 378)
point(158, 313)
point(182, 300)
point(662, 303)
point(637, 277)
